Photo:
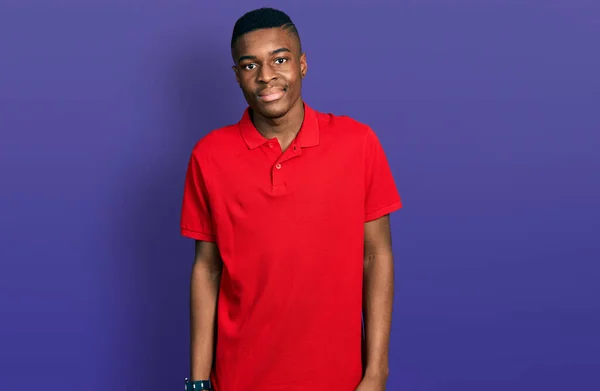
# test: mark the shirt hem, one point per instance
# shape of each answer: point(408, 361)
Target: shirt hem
point(197, 235)
point(394, 206)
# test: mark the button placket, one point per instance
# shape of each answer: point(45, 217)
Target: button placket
point(278, 169)
point(277, 175)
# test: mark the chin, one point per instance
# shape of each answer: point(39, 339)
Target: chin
point(274, 110)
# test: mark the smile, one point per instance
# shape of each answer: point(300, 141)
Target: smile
point(271, 95)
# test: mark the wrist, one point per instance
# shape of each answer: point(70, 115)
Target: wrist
point(198, 385)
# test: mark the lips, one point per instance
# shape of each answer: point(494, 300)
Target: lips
point(271, 94)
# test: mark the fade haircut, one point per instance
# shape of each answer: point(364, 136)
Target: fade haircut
point(263, 18)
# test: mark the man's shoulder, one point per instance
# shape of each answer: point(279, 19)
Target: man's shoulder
point(217, 142)
point(341, 124)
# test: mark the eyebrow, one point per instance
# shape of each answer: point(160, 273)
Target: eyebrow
point(280, 50)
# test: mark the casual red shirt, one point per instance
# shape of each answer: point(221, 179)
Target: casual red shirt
point(290, 230)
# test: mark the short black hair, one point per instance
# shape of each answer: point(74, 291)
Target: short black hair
point(262, 18)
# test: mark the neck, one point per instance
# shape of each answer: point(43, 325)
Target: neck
point(284, 128)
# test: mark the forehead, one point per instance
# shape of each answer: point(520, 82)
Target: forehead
point(259, 42)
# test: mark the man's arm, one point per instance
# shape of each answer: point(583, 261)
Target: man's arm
point(378, 293)
point(205, 280)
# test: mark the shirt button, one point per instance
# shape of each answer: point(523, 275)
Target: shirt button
point(270, 145)
point(278, 166)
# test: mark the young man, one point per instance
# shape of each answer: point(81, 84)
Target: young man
point(289, 208)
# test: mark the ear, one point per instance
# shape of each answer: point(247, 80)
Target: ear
point(303, 65)
point(237, 74)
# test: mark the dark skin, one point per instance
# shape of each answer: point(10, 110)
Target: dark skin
point(378, 293)
point(270, 62)
point(269, 68)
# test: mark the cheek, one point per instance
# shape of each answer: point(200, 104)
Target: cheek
point(294, 82)
point(246, 86)
point(291, 76)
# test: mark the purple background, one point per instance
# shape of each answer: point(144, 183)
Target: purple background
point(489, 112)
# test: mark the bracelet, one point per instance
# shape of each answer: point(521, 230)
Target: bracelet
point(198, 385)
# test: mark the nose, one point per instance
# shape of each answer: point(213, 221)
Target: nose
point(266, 74)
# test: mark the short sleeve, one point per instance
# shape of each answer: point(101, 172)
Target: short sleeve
point(196, 217)
point(381, 194)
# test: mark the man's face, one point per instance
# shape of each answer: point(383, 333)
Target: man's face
point(269, 68)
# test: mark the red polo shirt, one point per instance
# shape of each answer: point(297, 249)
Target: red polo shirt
point(290, 230)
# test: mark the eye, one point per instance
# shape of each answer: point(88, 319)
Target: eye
point(249, 66)
point(281, 60)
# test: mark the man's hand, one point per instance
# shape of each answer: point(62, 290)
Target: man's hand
point(372, 384)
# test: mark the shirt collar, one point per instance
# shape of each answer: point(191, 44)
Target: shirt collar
point(308, 136)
